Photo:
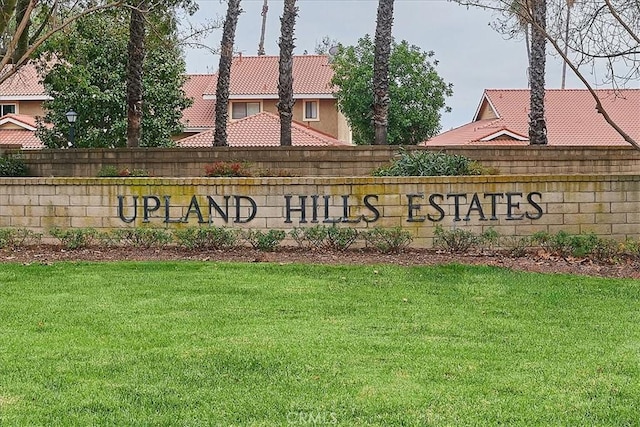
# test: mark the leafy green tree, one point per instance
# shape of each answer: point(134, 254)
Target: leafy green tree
point(416, 92)
point(90, 78)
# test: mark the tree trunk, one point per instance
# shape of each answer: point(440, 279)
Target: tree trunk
point(566, 44)
point(285, 82)
point(265, 9)
point(7, 8)
point(537, 124)
point(224, 73)
point(381, 71)
point(136, 52)
point(23, 40)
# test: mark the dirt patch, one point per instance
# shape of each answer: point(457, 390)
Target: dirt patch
point(534, 262)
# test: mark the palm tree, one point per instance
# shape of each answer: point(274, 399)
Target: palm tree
point(537, 61)
point(136, 53)
point(381, 70)
point(285, 82)
point(224, 72)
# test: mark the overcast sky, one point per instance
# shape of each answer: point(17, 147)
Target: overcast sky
point(471, 54)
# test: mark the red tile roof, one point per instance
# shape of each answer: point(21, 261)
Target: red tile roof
point(502, 119)
point(261, 130)
point(24, 85)
point(24, 138)
point(22, 120)
point(19, 130)
point(201, 115)
point(257, 77)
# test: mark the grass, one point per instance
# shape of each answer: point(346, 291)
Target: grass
point(188, 343)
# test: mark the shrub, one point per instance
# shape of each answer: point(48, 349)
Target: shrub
point(107, 171)
point(227, 169)
point(111, 171)
point(18, 237)
point(12, 165)
point(341, 238)
point(206, 238)
point(490, 238)
point(107, 239)
point(631, 248)
point(309, 237)
point(607, 250)
point(74, 238)
point(264, 241)
point(516, 246)
point(455, 240)
point(388, 240)
point(430, 163)
point(133, 172)
point(143, 237)
point(564, 244)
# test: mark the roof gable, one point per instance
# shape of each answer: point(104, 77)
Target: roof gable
point(18, 121)
point(570, 115)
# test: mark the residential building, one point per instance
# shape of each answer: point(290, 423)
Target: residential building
point(21, 97)
point(253, 89)
point(502, 118)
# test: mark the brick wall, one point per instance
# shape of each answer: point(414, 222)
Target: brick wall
point(335, 161)
point(608, 205)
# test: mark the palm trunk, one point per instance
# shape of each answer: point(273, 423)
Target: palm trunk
point(537, 124)
point(224, 73)
point(285, 82)
point(136, 52)
point(381, 71)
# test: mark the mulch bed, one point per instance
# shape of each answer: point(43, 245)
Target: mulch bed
point(533, 262)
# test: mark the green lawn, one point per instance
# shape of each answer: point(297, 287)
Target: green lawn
point(195, 343)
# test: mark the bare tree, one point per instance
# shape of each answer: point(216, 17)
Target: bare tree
point(19, 39)
point(285, 81)
point(566, 42)
point(603, 40)
point(382, 52)
point(224, 72)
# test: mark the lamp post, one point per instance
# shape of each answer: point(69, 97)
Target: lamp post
point(71, 118)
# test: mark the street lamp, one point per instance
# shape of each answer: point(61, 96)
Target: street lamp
point(71, 118)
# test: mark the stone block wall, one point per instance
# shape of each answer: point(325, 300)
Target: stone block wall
point(608, 205)
point(333, 161)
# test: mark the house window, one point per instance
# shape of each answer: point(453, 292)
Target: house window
point(7, 109)
point(240, 110)
point(311, 111)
